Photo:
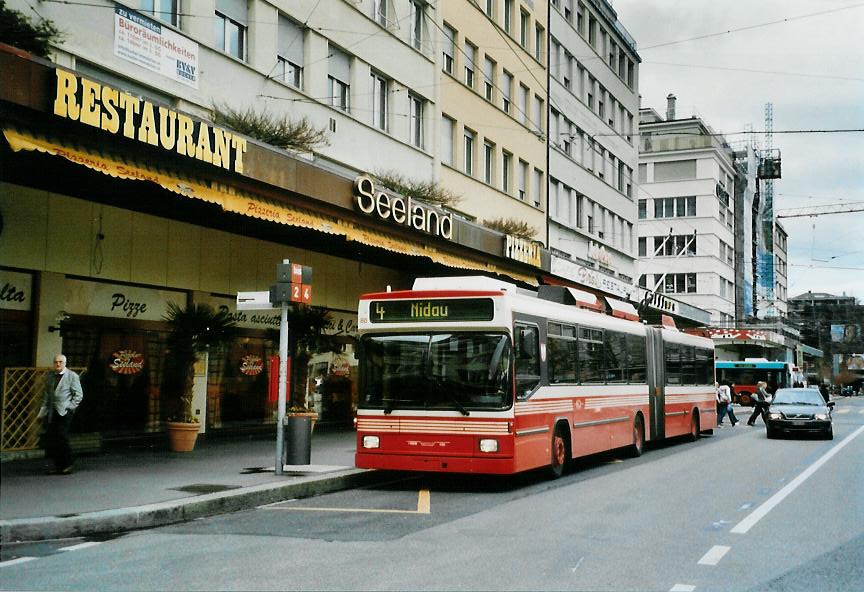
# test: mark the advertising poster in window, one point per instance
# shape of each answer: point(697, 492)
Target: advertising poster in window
point(150, 44)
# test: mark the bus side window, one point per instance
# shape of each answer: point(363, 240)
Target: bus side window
point(527, 359)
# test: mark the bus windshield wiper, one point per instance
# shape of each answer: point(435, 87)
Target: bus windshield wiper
point(450, 396)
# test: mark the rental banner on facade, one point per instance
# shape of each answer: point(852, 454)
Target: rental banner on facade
point(148, 43)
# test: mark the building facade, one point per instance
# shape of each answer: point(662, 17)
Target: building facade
point(121, 192)
point(493, 104)
point(593, 153)
point(686, 210)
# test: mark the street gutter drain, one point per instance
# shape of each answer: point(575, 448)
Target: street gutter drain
point(202, 488)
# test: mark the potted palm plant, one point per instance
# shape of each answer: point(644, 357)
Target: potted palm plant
point(195, 330)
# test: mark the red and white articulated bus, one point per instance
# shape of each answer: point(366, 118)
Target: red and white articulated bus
point(475, 375)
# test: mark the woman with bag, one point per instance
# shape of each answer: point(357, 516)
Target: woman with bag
point(724, 404)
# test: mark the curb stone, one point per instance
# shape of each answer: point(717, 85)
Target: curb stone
point(181, 510)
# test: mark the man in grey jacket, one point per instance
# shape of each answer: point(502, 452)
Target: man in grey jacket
point(63, 394)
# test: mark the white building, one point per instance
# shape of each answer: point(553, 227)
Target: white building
point(593, 104)
point(686, 230)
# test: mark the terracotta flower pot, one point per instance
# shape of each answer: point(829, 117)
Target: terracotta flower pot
point(182, 436)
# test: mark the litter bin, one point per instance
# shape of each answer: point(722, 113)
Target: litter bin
point(298, 440)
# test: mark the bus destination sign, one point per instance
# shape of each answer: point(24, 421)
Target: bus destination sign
point(431, 310)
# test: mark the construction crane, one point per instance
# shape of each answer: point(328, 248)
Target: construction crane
point(843, 208)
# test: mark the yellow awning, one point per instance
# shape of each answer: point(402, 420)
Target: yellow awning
point(241, 202)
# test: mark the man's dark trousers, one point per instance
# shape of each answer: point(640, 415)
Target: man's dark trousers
point(57, 434)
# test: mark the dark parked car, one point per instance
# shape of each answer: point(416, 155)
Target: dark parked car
point(799, 411)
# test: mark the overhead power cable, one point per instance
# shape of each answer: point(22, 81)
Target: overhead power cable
point(750, 27)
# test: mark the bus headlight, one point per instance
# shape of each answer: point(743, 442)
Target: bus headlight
point(488, 445)
point(371, 442)
point(821, 416)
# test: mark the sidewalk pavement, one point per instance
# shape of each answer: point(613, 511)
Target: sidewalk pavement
point(149, 486)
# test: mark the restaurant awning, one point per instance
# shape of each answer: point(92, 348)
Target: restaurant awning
point(235, 200)
point(622, 309)
point(585, 299)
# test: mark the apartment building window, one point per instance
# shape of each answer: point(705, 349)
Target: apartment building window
point(379, 8)
point(628, 181)
point(643, 209)
point(643, 281)
point(555, 137)
point(537, 190)
point(488, 162)
point(580, 20)
point(524, 93)
point(675, 207)
point(568, 70)
point(590, 224)
point(622, 65)
point(506, 89)
point(676, 170)
point(448, 130)
point(522, 180)
point(418, 15)
point(568, 11)
point(290, 52)
point(230, 27)
point(416, 108)
point(613, 49)
point(506, 172)
point(630, 73)
point(555, 59)
point(488, 78)
point(643, 246)
point(468, 152)
point(539, 35)
point(672, 246)
point(592, 31)
point(524, 18)
point(339, 74)
point(470, 59)
point(449, 48)
point(164, 10)
point(489, 9)
point(567, 137)
point(601, 104)
point(379, 100)
point(591, 93)
point(680, 283)
point(508, 17)
point(538, 113)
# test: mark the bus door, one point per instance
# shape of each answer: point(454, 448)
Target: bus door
point(656, 377)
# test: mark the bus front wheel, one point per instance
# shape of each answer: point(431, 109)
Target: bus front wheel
point(559, 454)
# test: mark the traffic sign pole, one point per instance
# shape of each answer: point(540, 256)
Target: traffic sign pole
point(283, 390)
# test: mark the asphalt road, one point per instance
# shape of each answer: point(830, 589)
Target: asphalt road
point(734, 511)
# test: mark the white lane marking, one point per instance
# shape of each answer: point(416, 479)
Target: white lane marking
point(80, 546)
point(16, 561)
point(578, 563)
point(682, 588)
point(714, 555)
point(746, 506)
point(757, 514)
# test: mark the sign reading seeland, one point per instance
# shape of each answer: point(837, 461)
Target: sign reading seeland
point(114, 111)
point(401, 210)
point(440, 309)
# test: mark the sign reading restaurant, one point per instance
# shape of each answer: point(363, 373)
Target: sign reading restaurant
point(401, 210)
point(118, 112)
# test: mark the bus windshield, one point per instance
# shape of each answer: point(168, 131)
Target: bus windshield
point(775, 378)
point(442, 371)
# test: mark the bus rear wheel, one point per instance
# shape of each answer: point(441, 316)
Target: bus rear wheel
point(694, 426)
point(638, 445)
point(559, 454)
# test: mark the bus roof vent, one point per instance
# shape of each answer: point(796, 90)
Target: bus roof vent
point(468, 282)
point(572, 296)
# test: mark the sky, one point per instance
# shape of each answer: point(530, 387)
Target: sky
point(810, 67)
